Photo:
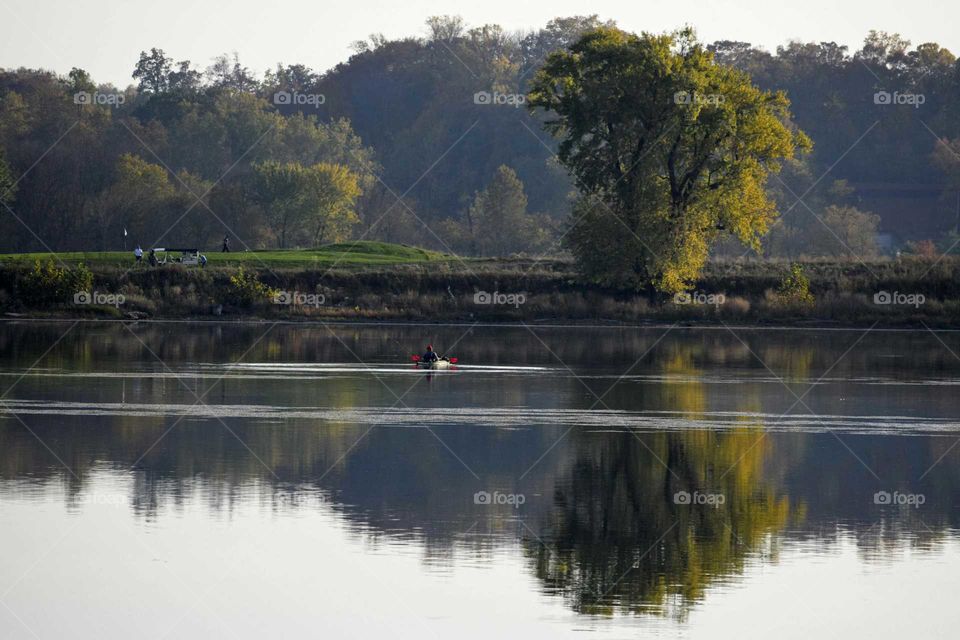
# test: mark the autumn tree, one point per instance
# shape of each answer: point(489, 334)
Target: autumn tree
point(140, 195)
point(671, 151)
point(331, 191)
point(844, 232)
point(312, 203)
point(826, 223)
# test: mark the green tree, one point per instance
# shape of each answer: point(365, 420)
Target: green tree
point(558, 34)
point(184, 79)
point(191, 205)
point(330, 192)
point(673, 147)
point(827, 224)
point(226, 72)
point(312, 204)
point(137, 199)
point(843, 232)
point(498, 217)
point(14, 117)
point(153, 71)
point(80, 81)
point(946, 158)
point(7, 183)
point(277, 189)
point(497, 222)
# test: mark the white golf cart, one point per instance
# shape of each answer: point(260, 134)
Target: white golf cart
point(187, 257)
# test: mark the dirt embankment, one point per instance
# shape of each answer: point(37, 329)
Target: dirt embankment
point(894, 293)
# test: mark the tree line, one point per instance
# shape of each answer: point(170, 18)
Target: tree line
point(430, 140)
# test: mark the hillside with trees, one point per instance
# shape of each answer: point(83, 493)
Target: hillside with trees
point(431, 140)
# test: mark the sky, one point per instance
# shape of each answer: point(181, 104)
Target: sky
point(105, 37)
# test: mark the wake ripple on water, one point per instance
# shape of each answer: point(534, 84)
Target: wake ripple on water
point(503, 417)
point(278, 370)
point(326, 370)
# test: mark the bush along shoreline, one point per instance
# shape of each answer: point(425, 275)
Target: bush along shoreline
point(901, 293)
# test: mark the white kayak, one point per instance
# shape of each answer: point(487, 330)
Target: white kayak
point(442, 363)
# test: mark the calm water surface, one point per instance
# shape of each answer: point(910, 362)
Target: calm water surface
point(175, 480)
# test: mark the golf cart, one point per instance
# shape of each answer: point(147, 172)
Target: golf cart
point(187, 257)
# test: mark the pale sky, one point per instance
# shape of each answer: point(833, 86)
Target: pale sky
point(105, 37)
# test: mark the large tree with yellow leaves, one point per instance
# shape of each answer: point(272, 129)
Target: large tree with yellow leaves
point(670, 151)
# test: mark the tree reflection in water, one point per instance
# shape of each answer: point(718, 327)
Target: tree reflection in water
point(600, 528)
point(617, 539)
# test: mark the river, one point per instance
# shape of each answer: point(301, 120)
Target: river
point(244, 480)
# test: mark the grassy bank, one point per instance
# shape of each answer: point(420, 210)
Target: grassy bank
point(347, 254)
point(390, 282)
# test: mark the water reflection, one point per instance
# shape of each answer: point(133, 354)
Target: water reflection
point(647, 524)
point(603, 524)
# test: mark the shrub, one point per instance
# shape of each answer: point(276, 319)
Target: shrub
point(247, 289)
point(925, 249)
point(737, 306)
point(795, 287)
point(47, 284)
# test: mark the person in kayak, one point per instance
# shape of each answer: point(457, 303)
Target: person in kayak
point(430, 355)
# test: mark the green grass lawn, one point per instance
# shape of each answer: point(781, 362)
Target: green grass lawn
point(346, 253)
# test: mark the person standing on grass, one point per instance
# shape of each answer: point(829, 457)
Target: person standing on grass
point(226, 244)
point(138, 254)
point(152, 258)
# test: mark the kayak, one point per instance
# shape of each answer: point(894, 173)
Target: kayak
point(442, 363)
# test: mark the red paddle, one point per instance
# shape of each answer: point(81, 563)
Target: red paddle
point(417, 358)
